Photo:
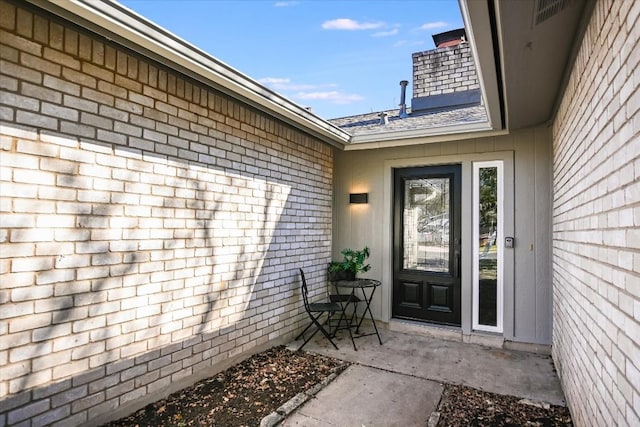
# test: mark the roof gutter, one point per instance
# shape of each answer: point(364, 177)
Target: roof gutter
point(412, 134)
point(422, 137)
point(118, 23)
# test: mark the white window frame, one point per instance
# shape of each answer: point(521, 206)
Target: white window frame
point(499, 164)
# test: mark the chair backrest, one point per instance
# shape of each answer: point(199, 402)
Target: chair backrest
point(305, 291)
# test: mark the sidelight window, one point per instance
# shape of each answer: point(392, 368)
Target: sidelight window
point(488, 246)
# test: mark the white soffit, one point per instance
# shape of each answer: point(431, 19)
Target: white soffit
point(478, 25)
point(538, 40)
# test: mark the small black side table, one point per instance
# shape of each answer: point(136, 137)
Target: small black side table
point(365, 285)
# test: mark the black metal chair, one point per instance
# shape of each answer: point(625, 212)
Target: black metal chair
point(344, 300)
point(315, 310)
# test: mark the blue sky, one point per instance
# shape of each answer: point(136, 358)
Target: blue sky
point(338, 57)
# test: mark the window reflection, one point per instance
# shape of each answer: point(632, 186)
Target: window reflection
point(426, 224)
point(488, 248)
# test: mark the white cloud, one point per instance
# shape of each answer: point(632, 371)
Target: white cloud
point(433, 25)
point(386, 33)
point(333, 96)
point(350, 24)
point(308, 92)
point(285, 84)
point(286, 3)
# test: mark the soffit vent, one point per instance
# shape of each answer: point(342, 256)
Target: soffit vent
point(546, 9)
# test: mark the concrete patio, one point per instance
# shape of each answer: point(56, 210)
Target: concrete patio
point(401, 382)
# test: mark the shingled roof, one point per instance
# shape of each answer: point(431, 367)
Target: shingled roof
point(370, 123)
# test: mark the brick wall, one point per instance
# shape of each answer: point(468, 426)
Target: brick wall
point(596, 222)
point(444, 70)
point(151, 228)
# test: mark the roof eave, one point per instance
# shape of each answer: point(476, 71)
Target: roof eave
point(422, 136)
point(480, 23)
point(114, 21)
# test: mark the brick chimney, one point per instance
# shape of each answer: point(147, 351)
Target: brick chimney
point(450, 38)
point(445, 77)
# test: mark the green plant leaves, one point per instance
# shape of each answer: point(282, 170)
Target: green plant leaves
point(352, 261)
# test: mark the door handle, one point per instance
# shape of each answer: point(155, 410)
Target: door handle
point(458, 243)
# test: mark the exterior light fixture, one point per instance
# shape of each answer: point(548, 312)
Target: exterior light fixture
point(359, 198)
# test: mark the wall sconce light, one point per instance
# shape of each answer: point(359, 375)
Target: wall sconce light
point(359, 198)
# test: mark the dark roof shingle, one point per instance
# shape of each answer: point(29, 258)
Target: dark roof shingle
point(367, 124)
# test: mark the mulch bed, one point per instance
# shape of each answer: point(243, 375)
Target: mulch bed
point(465, 406)
point(245, 393)
point(240, 396)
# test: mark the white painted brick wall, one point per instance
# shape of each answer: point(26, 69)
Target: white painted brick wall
point(150, 230)
point(596, 218)
point(444, 70)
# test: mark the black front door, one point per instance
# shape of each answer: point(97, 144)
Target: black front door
point(426, 259)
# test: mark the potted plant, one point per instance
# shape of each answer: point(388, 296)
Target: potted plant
point(352, 263)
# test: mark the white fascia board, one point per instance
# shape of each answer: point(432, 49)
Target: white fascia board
point(394, 135)
point(143, 36)
point(477, 23)
point(421, 137)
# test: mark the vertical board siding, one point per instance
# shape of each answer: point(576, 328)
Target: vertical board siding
point(357, 171)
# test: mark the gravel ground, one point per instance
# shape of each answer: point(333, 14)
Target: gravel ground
point(245, 393)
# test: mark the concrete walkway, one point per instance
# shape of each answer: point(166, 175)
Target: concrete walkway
point(401, 382)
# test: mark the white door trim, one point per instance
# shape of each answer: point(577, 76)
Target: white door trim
point(466, 160)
